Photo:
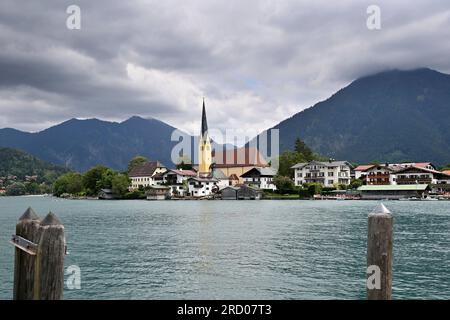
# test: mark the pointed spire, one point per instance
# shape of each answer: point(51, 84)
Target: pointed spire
point(204, 122)
point(29, 214)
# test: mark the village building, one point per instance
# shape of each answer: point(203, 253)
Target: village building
point(144, 175)
point(106, 194)
point(328, 173)
point(416, 175)
point(394, 192)
point(360, 171)
point(157, 192)
point(246, 192)
point(237, 161)
point(240, 192)
point(202, 187)
point(176, 180)
point(233, 179)
point(380, 174)
point(439, 181)
point(229, 193)
point(261, 178)
point(223, 180)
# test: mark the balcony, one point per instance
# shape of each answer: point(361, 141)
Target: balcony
point(414, 180)
point(378, 176)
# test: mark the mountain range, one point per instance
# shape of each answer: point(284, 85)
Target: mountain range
point(390, 116)
point(81, 144)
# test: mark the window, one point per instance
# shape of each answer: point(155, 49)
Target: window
point(299, 175)
point(330, 181)
point(330, 174)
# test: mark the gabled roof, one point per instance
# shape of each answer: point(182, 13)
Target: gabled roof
point(203, 179)
point(434, 172)
point(299, 165)
point(446, 172)
point(182, 172)
point(364, 167)
point(322, 163)
point(146, 169)
point(239, 157)
point(388, 167)
point(262, 172)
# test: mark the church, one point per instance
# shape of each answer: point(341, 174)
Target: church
point(217, 170)
point(204, 184)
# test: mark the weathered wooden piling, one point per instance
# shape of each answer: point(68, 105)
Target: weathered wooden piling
point(39, 257)
point(28, 228)
point(379, 254)
point(49, 265)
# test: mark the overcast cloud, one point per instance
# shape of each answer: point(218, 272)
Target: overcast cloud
point(256, 62)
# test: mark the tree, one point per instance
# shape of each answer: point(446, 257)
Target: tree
point(32, 188)
point(16, 189)
point(302, 148)
point(91, 178)
point(136, 161)
point(284, 184)
point(356, 183)
point(120, 184)
point(71, 183)
point(105, 181)
point(314, 188)
point(286, 160)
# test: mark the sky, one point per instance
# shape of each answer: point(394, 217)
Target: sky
point(255, 62)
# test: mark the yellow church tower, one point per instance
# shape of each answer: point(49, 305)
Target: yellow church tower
point(204, 148)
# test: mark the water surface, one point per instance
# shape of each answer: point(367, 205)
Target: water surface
point(237, 249)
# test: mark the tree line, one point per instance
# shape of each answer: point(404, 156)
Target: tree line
point(97, 178)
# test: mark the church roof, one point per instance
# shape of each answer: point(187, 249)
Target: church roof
point(204, 122)
point(242, 157)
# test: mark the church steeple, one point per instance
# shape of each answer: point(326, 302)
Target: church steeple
point(204, 122)
point(204, 150)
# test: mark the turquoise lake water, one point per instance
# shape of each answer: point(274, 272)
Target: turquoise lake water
point(237, 249)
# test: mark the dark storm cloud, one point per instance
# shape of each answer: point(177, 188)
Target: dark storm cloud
point(158, 58)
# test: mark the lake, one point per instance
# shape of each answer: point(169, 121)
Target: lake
point(236, 249)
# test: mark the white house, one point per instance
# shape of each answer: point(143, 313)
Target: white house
point(176, 180)
point(328, 173)
point(418, 175)
point(202, 187)
point(144, 175)
point(382, 174)
point(360, 171)
point(261, 178)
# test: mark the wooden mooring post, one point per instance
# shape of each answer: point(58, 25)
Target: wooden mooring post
point(39, 257)
point(379, 254)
